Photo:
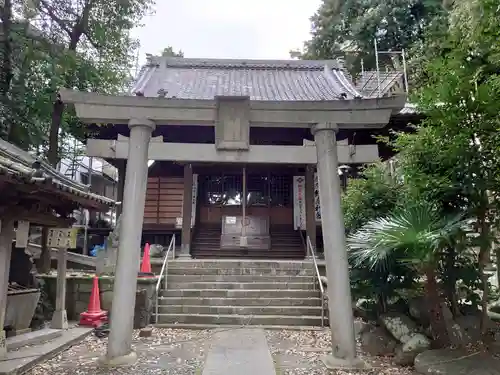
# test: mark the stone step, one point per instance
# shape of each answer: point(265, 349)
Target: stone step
point(226, 301)
point(176, 270)
point(241, 263)
point(241, 310)
point(240, 293)
point(254, 254)
point(243, 286)
point(229, 326)
point(240, 278)
point(240, 319)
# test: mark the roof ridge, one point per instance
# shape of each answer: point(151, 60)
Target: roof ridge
point(243, 63)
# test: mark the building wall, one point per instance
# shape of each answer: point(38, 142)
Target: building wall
point(164, 197)
point(165, 188)
point(277, 215)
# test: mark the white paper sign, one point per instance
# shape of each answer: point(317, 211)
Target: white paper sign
point(62, 238)
point(299, 202)
point(195, 199)
point(230, 219)
point(22, 233)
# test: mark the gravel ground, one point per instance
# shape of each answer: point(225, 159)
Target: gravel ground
point(167, 352)
point(182, 352)
point(300, 352)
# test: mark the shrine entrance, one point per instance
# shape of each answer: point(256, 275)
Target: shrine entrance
point(246, 201)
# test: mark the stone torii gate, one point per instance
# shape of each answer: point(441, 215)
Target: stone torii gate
point(232, 117)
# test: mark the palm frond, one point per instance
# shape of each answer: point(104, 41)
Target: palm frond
point(411, 235)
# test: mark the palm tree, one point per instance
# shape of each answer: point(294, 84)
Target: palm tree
point(412, 236)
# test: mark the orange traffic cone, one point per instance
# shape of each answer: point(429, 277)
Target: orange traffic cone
point(94, 316)
point(146, 263)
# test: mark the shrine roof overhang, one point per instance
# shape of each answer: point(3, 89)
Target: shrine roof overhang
point(32, 177)
point(279, 95)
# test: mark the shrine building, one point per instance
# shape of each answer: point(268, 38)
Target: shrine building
point(234, 145)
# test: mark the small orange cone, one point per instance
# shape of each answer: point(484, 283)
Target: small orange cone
point(94, 316)
point(146, 263)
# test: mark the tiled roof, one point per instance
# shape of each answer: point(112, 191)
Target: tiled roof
point(264, 80)
point(368, 83)
point(22, 166)
point(409, 109)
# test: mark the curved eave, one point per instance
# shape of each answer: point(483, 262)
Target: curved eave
point(396, 103)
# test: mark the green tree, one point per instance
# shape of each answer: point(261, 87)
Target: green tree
point(348, 29)
point(454, 158)
point(169, 52)
point(377, 192)
point(414, 236)
point(96, 54)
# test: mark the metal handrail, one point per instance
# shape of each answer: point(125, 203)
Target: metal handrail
point(164, 268)
point(318, 276)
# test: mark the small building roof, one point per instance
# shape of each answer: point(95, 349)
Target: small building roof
point(262, 80)
point(20, 166)
point(369, 82)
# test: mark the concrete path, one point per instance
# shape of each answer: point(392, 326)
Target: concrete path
point(21, 359)
point(239, 351)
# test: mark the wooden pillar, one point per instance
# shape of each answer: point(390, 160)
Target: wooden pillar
point(244, 193)
point(310, 206)
point(60, 318)
point(187, 212)
point(6, 236)
point(44, 262)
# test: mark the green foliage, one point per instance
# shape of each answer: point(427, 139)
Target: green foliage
point(349, 28)
point(376, 193)
point(78, 44)
point(413, 236)
point(451, 160)
point(169, 52)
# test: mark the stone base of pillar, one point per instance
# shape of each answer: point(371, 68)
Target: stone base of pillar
point(334, 363)
point(59, 320)
point(3, 344)
point(185, 253)
point(124, 360)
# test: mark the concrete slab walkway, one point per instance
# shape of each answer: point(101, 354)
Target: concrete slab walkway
point(239, 351)
point(21, 359)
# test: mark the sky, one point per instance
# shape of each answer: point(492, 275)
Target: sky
point(255, 29)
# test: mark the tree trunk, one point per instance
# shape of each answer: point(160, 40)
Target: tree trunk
point(57, 114)
point(497, 261)
point(382, 303)
point(483, 259)
point(58, 109)
point(438, 325)
point(451, 281)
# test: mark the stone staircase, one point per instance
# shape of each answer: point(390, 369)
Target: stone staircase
point(210, 293)
point(286, 243)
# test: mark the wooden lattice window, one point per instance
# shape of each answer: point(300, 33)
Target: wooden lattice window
point(280, 189)
point(258, 190)
point(262, 190)
point(222, 190)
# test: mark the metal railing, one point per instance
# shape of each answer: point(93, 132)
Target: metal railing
point(164, 269)
point(312, 252)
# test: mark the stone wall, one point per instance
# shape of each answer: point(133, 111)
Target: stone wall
point(79, 286)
